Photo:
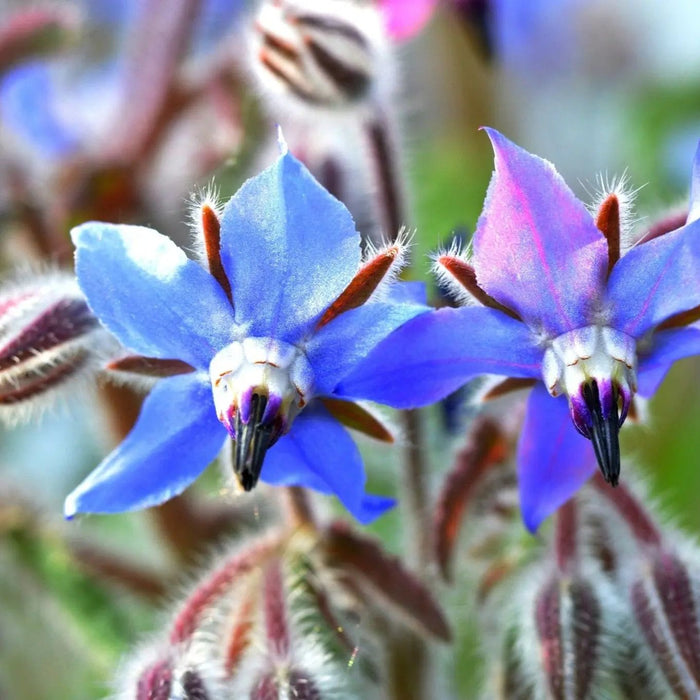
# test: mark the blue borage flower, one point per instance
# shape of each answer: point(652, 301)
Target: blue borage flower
point(559, 305)
point(285, 312)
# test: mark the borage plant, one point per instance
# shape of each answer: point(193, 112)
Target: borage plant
point(266, 341)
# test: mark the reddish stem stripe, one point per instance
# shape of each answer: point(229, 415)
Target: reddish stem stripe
point(585, 628)
point(630, 509)
point(150, 366)
point(387, 177)
point(485, 447)
point(362, 286)
point(211, 230)
point(160, 38)
point(275, 610)
point(608, 222)
point(215, 586)
point(465, 274)
point(654, 633)
point(548, 623)
point(361, 556)
point(240, 636)
point(676, 596)
point(565, 540)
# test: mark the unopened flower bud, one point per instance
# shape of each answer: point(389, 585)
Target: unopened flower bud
point(48, 338)
point(173, 678)
point(297, 686)
point(567, 618)
point(322, 54)
point(293, 665)
point(665, 606)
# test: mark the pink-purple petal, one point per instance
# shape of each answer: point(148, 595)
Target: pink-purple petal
point(320, 454)
point(536, 247)
point(176, 436)
point(656, 280)
point(405, 18)
point(432, 355)
point(554, 461)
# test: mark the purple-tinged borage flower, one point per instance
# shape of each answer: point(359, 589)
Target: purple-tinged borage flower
point(556, 302)
point(285, 311)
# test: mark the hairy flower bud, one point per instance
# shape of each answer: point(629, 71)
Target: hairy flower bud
point(321, 54)
point(48, 339)
point(665, 605)
point(567, 617)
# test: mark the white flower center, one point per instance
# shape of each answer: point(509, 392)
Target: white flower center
point(266, 367)
point(586, 354)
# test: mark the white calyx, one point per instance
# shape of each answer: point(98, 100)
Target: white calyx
point(591, 353)
point(263, 366)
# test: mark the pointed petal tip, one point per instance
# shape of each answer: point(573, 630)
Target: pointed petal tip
point(82, 232)
point(372, 507)
point(281, 141)
point(532, 520)
point(496, 137)
point(70, 507)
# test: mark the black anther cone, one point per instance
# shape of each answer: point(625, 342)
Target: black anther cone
point(252, 440)
point(604, 433)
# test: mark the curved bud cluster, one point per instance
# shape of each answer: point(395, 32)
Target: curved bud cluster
point(324, 54)
point(259, 386)
point(595, 367)
point(242, 633)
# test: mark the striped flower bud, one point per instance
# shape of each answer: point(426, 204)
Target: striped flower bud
point(49, 338)
point(242, 632)
point(323, 54)
point(665, 603)
point(568, 624)
point(293, 665)
point(657, 580)
point(561, 643)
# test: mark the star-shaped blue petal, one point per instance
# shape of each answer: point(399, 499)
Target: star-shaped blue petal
point(290, 327)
